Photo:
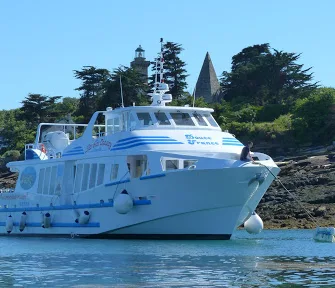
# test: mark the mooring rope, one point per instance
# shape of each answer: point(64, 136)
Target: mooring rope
point(292, 195)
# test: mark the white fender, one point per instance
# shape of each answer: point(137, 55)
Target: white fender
point(84, 217)
point(254, 224)
point(9, 224)
point(46, 220)
point(76, 216)
point(123, 203)
point(23, 219)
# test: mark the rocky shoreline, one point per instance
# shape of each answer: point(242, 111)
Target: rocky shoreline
point(311, 180)
point(311, 185)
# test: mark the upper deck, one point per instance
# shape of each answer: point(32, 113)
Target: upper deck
point(158, 117)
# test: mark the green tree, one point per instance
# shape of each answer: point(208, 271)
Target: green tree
point(314, 116)
point(134, 90)
point(15, 132)
point(174, 69)
point(69, 105)
point(38, 108)
point(261, 75)
point(94, 83)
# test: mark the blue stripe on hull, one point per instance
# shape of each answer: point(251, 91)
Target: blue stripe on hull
point(70, 207)
point(144, 137)
point(144, 143)
point(38, 224)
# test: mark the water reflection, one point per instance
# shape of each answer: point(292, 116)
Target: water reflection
point(105, 263)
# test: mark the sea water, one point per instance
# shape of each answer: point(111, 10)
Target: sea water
point(273, 258)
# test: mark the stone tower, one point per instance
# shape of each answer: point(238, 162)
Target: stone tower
point(140, 64)
point(207, 85)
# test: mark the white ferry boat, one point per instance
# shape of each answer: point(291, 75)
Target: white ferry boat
point(158, 171)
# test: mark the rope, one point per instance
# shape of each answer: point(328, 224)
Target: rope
point(117, 186)
point(314, 220)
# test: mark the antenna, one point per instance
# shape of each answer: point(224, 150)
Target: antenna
point(161, 62)
point(155, 85)
point(195, 89)
point(121, 91)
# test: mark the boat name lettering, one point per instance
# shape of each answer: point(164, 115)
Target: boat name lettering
point(24, 204)
point(7, 196)
point(99, 144)
point(191, 139)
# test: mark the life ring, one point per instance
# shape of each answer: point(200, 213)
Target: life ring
point(42, 148)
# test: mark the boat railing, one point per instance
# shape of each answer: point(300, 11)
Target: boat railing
point(70, 129)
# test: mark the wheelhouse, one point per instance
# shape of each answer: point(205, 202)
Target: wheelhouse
point(143, 118)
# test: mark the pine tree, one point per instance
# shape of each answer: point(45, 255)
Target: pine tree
point(94, 83)
point(134, 90)
point(38, 108)
point(261, 75)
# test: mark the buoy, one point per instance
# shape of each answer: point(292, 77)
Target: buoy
point(123, 203)
point(324, 234)
point(9, 224)
point(84, 217)
point(254, 224)
point(46, 220)
point(23, 219)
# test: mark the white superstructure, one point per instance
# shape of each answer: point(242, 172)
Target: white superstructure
point(145, 172)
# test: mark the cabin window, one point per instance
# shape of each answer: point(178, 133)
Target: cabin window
point(188, 163)
point(40, 181)
point(101, 173)
point(114, 171)
point(145, 118)
point(85, 176)
point(125, 116)
point(114, 125)
point(162, 118)
point(53, 180)
point(117, 126)
point(132, 122)
point(211, 120)
point(79, 175)
point(93, 175)
point(137, 165)
point(46, 180)
point(199, 119)
point(141, 167)
point(172, 164)
point(183, 119)
point(109, 126)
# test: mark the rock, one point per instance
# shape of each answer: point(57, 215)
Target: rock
point(303, 163)
point(320, 211)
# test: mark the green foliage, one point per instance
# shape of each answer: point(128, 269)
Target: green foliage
point(261, 76)
point(8, 156)
point(174, 69)
point(38, 108)
point(68, 106)
point(11, 155)
point(134, 90)
point(270, 112)
point(314, 116)
point(94, 82)
point(15, 132)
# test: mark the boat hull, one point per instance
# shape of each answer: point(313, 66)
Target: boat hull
point(188, 204)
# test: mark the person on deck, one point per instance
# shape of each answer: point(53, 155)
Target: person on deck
point(245, 153)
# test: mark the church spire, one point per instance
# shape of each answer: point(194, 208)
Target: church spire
point(207, 85)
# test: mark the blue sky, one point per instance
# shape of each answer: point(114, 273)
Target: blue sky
point(42, 42)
